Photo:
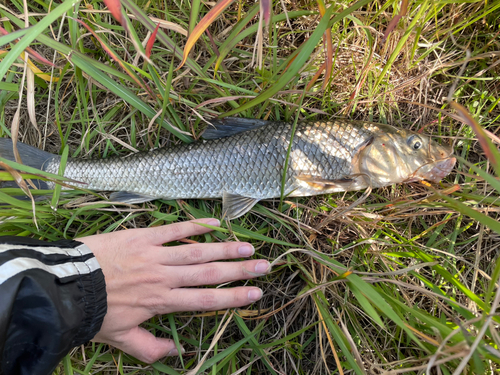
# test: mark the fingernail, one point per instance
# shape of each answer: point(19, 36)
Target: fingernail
point(214, 222)
point(174, 351)
point(262, 267)
point(246, 250)
point(254, 294)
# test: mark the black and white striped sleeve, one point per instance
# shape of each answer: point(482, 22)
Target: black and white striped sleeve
point(52, 298)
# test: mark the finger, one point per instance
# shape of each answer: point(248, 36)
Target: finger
point(204, 252)
point(217, 273)
point(145, 346)
point(211, 299)
point(177, 231)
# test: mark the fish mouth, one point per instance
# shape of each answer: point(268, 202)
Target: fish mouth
point(436, 170)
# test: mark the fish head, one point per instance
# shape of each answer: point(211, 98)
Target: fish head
point(399, 155)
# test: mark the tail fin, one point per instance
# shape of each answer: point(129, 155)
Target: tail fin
point(30, 156)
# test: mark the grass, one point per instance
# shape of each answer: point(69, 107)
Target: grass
point(406, 282)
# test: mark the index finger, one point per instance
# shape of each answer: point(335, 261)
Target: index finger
point(177, 231)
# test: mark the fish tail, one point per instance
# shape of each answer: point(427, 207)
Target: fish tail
point(30, 156)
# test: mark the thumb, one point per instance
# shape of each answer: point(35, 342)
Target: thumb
point(144, 346)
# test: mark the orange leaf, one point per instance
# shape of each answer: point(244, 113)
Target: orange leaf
point(202, 26)
point(115, 7)
point(297, 51)
point(329, 57)
point(103, 45)
point(345, 274)
point(117, 59)
point(151, 41)
point(391, 26)
point(329, 46)
point(39, 73)
point(450, 190)
point(38, 57)
point(31, 51)
point(489, 149)
point(362, 78)
point(18, 178)
point(265, 11)
point(316, 76)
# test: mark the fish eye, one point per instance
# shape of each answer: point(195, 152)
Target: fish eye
point(414, 142)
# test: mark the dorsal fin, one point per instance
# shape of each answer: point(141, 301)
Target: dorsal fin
point(229, 126)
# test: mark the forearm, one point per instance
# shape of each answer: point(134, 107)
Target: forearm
point(53, 298)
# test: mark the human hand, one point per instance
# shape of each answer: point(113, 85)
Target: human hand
point(144, 279)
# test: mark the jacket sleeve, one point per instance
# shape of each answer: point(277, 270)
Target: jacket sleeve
point(52, 298)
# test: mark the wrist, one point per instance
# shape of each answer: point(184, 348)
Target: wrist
point(93, 287)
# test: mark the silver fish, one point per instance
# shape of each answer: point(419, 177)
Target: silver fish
point(243, 161)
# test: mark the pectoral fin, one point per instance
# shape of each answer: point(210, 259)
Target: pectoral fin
point(319, 183)
point(132, 198)
point(235, 205)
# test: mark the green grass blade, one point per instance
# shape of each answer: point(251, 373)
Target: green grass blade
point(231, 349)
point(68, 368)
point(254, 344)
point(94, 357)
point(397, 50)
point(289, 337)
point(34, 171)
point(30, 36)
point(165, 369)
point(193, 19)
point(162, 37)
point(66, 50)
point(476, 215)
point(300, 60)
point(236, 229)
point(336, 332)
point(289, 150)
point(366, 305)
point(9, 86)
point(378, 301)
point(62, 167)
point(10, 37)
point(175, 335)
point(124, 93)
point(430, 321)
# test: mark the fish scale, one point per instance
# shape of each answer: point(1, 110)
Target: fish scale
point(249, 164)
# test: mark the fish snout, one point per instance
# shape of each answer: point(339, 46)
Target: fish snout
point(440, 169)
point(440, 152)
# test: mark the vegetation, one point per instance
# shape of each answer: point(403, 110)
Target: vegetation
point(405, 282)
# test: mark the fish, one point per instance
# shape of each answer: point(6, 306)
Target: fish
point(243, 161)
